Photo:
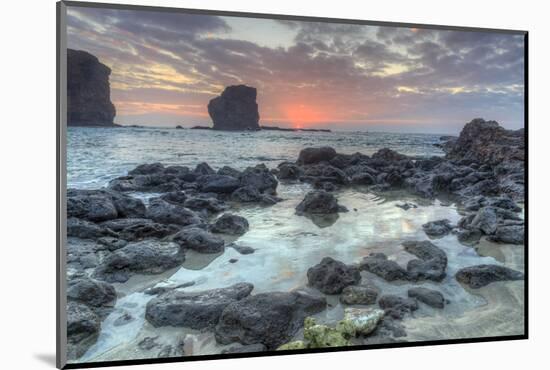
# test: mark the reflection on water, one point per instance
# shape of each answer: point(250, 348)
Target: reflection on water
point(287, 245)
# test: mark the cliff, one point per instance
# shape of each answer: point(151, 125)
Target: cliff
point(235, 109)
point(88, 91)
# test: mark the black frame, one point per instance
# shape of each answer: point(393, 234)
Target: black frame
point(60, 189)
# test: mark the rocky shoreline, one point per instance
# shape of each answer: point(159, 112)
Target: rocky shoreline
point(114, 236)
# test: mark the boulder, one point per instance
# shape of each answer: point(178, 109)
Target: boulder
point(101, 205)
point(388, 155)
point(510, 234)
point(380, 265)
point(289, 171)
point(205, 205)
point(133, 229)
point(364, 178)
point(91, 292)
point(83, 229)
point(260, 178)
point(431, 297)
point(167, 213)
point(485, 220)
point(221, 184)
point(242, 249)
point(362, 295)
point(174, 197)
point(316, 155)
point(83, 326)
point(88, 91)
point(195, 310)
point(203, 169)
point(235, 109)
point(479, 276)
point(230, 224)
point(437, 228)
point(144, 257)
point(319, 202)
point(331, 276)
point(199, 240)
point(267, 318)
point(431, 263)
point(147, 169)
point(397, 307)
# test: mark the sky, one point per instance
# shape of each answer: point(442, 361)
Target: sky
point(167, 66)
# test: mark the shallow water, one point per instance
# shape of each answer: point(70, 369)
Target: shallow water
point(286, 244)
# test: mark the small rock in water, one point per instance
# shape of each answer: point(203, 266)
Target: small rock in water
point(242, 249)
point(397, 307)
point(479, 276)
point(148, 343)
point(362, 295)
point(380, 265)
point(123, 319)
point(233, 260)
point(406, 206)
point(331, 276)
point(230, 224)
point(430, 297)
point(437, 228)
point(319, 202)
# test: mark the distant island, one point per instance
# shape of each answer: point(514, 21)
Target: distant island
point(88, 91)
point(89, 100)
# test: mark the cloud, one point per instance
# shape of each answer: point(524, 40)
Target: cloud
point(347, 74)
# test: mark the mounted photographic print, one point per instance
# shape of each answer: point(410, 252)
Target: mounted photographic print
point(236, 184)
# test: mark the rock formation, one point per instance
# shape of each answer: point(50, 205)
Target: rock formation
point(88, 91)
point(235, 109)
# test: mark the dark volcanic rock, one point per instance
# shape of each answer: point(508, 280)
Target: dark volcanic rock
point(431, 264)
point(397, 307)
point(258, 347)
point(481, 275)
point(168, 213)
point(101, 205)
point(380, 265)
point(289, 171)
point(133, 229)
point(206, 205)
point(486, 220)
point(431, 297)
point(88, 91)
point(250, 194)
point(86, 230)
point(259, 177)
point(468, 237)
point(271, 319)
point(144, 257)
point(389, 155)
point(196, 310)
point(331, 276)
point(511, 234)
point(319, 202)
point(235, 109)
point(242, 249)
point(437, 228)
point(363, 295)
point(316, 155)
point(91, 292)
point(221, 184)
point(230, 224)
point(199, 240)
point(83, 326)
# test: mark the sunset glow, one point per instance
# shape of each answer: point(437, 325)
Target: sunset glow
point(167, 66)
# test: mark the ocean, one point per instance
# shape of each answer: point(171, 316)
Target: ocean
point(97, 155)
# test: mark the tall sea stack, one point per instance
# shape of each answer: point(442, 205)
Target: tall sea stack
point(235, 109)
point(88, 91)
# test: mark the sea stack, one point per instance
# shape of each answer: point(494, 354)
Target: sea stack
point(235, 109)
point(88, 91)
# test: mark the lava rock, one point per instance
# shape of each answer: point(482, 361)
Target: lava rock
point(481, 275)
point(380, 265)
point(271, 319)
point(133, 229)
point(331, 276)
point(83, 326)
point(316, 155)
point(167, 213)
point(431, 297)
point(397, 307)
point(199, 240)
point(437, 228)
point(319, 202)
point(362, 295)
point(101, 205)
point(235, 109)
point(91, 292)
point(230, 224)
point(431, 264)
point(195, 310)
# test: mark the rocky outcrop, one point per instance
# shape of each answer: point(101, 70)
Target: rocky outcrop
point(267, 318)
point(331, 276)
point(319, 202)
point(195, 310)
point(479, 276)
point(235, 109)
point(88, 91)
